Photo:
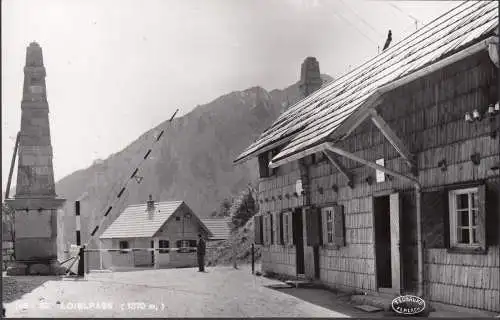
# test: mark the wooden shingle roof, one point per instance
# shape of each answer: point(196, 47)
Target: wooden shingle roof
point(136, 222)
point(321, 116)
point(219, 227)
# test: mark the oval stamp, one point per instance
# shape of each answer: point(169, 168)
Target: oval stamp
point(408, 305)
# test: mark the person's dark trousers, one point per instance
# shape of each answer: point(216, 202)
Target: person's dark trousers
point(201, 262)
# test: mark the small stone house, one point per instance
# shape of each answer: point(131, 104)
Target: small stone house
point(387, 180)
point(169, 226)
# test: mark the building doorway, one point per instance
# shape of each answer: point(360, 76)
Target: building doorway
point(386, 211)
point(298, 235)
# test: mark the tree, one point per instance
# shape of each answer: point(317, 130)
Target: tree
point(225, 208)
point(245, 207)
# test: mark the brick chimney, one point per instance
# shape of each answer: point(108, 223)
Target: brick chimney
point(310, 77)
point(150, 205)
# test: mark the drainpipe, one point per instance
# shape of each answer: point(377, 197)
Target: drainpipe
point(420, 247)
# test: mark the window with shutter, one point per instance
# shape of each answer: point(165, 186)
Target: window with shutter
point(264, 165)
point(258, 230)
point(163, 246)
point(124, 245)
point(467, 218)
point(290, 228)
point(327, 218)
point(332, 224)
point(285, 228)
point(266, 229)
point(280, 228)
point(271, 229)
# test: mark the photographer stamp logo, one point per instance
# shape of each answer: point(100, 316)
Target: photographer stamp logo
point(408, 305)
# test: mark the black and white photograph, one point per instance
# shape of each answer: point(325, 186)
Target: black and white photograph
point(250, 158)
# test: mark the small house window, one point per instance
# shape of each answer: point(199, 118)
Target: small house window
point(163, 246)
point(264, 160)
point(464, 218)
point(177, 218)
point(380, 174)
point(333, 226)
point(286, 225)
point(328, 212)
point(268, 229)
point(186, 245)
point(123, 246)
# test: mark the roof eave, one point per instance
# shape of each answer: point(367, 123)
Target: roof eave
point(258, 151)
point(354, 120)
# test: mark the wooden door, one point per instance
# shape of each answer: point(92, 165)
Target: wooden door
point(395, 213)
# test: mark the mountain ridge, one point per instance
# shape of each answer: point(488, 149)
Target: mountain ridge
point(191, 162)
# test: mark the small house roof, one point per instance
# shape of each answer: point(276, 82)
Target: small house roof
point(316, 118)
point(136, 222)
point(219, 227)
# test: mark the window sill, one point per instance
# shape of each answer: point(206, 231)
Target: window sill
point(468, 250)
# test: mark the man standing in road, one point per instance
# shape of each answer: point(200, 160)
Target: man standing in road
point(201, 253)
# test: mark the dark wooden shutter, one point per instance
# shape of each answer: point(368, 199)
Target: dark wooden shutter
point(271, 228)
point(481, 223)
point(435, 219)
point(258, 238)
point(338, 226)
point(280, 224)
point(493, 213)
point(313, 227)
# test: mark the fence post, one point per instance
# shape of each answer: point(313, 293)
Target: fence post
point(234, 256)
point(81, 262)
point(253, 259)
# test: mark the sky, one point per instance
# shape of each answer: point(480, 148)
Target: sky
point(116, 68)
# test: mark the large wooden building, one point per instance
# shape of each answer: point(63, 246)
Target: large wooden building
point(387, 180)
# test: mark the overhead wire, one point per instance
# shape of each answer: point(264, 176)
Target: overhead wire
point(362, 19)
point(349, 22)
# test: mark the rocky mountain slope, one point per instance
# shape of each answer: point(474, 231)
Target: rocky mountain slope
point(192, 161)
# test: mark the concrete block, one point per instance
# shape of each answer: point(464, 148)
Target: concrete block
point(18, 269)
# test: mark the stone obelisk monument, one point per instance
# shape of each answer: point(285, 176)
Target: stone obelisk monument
point(35, 202)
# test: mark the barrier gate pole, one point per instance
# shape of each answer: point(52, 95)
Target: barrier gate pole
point(81, 262)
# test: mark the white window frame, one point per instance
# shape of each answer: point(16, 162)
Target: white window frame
point(454, 217)
point(265, 222)
point(327, 222)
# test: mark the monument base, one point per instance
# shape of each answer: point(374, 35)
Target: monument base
point(36, 268)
